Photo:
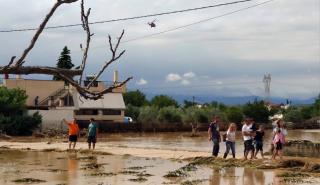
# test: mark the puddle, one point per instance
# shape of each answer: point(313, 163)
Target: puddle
point(52, 168)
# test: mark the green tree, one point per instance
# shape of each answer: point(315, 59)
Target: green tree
point(161, 101)
point(234, 114)
point(316, 107)
point(307, 112)
point(64, 61)
point(187, 104)
point(293, 114)
point(170, 115)
point(148, 114)
point(257, 110)
point(12, 109)
point(132, 111)
point(135, 98)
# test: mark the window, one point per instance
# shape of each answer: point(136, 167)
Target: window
point(87, 112)
point(94, 84)
point(111, 112)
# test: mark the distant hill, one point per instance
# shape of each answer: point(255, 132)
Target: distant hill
point(238, 100)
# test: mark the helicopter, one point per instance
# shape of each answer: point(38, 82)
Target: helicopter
point(152, 24)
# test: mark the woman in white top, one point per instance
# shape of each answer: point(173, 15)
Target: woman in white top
point(231, 140)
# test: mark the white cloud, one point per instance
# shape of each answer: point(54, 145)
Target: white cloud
point(142, 82)
point(189, 75)
point(185, 82)
point(172, 77)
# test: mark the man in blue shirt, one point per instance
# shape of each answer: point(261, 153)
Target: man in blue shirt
point(92, 133)
point(214, 135)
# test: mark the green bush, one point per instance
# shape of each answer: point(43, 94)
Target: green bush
point(195, 115)
point(135, 98)
point(235, 115)
point(293, 114)
point(170, 115)
point(12, 108)
point(148, 114)
point(257, 110)
point(20, 125)
point(132, 111)
point(161, 101)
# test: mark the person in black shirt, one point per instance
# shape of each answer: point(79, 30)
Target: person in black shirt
point(214, 135)
point(259, 141)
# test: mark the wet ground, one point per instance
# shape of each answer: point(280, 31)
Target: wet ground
point(181, 140)
point(155, 151)
point(76, 169)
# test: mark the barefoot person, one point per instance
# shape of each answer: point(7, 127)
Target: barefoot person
point(231, 140)
point(278, 142)
point(73, 132)
point(259, 141)
point(214, 135)
point(92, 133)
point(247, 134)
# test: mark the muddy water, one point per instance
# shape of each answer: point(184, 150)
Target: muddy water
point(76, 169)
point(182, 141)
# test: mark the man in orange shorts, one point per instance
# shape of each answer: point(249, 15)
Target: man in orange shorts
point(73, 132)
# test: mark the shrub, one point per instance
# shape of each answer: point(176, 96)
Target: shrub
point(257, 110)
point(234, 114)
point(148, 114)
point(132, 111)
point(20, 125)
point(12, 108)
point(163, 101)
point(170, 115)
point(294, 115)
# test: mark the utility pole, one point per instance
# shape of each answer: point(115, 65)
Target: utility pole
point(193, 99)
point(267, 83)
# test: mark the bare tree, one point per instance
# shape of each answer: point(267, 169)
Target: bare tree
point(16, 66)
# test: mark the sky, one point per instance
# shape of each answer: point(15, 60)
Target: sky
point(226, 56)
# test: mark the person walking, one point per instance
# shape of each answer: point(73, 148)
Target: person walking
point(247, 134)
point(259, 141)
point(231, 140)
point(92, 134)
point(278, 142)
point(279, 125)
point(73, 132)
point(214, 135)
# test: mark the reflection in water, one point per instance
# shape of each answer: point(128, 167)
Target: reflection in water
point(72, 168)
point(216, 177)
point(241, 176)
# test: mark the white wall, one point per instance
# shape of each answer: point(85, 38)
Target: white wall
point(52, 119)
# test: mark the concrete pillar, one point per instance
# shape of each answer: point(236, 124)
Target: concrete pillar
point(115, 77)
point(61, 102)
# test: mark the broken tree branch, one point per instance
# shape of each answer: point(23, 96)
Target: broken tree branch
point(20, 61)
point(67, 74)
point(85, 26)
point(91, 94)
point(26, 70)
point(113, 58)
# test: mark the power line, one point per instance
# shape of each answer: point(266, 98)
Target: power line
point(128, 18)
point(198, 22)
point(200, 85)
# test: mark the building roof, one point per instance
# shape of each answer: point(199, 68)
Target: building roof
point(108, 101)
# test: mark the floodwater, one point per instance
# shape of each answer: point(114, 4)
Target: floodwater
point(76, 169)
point(183, 141)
